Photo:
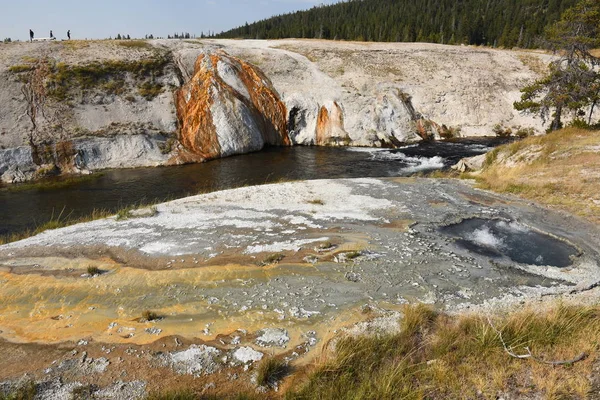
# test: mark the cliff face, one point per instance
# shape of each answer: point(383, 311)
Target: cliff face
point(187, 101)
point(229, 107)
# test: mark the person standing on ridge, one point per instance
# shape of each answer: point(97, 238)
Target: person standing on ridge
point(51, 35)
point(30, 35)
point(69, 34)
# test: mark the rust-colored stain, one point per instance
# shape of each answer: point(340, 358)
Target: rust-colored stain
point(272, 111)
point(330, 125)
point(427, 129)
point(198, 133)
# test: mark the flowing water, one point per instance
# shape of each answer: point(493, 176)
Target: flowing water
point(27, 208)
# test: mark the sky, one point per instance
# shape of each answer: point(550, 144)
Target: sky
point(97, 19)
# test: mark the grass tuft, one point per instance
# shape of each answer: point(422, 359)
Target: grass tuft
point(318, 202)
point(272, 259)
point(148, 316)
point(17, 69)
point(270, 371)
point(439, 356)
point(136, 44)
point(25, 391)
point(84, 392)
point(92, 270)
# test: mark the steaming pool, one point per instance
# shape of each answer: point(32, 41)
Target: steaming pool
point(498, 238)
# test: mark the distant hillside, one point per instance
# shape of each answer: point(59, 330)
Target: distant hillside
point(505, 23)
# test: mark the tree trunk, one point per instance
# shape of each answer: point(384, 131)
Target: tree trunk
point(591, 112)
point(556, 123)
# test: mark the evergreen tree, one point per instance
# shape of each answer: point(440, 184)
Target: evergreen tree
point(573, 82)
point(505, 23)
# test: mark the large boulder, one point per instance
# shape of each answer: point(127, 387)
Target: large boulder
point(229, 107)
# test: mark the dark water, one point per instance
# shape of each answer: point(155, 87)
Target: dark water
point(115, 189)
point(497, 239)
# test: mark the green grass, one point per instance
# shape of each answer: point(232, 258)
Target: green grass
point(25, 391)
point(17, 69)
point(52, 184)
point(270, 371)
point(136, 44)
point(150, 90)
point(109, 75)
point(124, 213)
point(61, 221)
point(437, 356)
point(352, 255)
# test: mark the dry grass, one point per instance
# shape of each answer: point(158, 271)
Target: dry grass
point(270, 371)
point(62, 220)
point(187, 394)
point(148, 316)
point(317, 202)
point(76, 44)
point(25, 391)
point(55, 223)
point(436, 356)
point(534, 63)
point(561, 169)
point(272, 259)
point(136, 44)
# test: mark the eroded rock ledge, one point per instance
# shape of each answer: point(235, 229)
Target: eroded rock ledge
point(186, 101)
point(229, 107)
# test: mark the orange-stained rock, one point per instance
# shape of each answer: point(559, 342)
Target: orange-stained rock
point(229, 107)
point(330, 126)
point(428, 129)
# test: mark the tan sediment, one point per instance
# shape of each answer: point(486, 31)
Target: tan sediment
point(56, 308)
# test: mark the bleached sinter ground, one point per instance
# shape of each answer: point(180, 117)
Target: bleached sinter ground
point(238, 274)
point(207, 262)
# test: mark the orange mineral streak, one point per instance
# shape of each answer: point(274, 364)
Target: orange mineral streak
point(272, 111)
point(194, 100)
point(427, 129)
point(330, 126)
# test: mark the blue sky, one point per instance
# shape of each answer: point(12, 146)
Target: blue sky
point(104, 18)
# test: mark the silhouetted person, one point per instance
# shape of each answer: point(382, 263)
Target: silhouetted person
point(30, 35)
point(69, 34)
point(51, 35)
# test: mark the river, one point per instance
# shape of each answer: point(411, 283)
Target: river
point(27, 207)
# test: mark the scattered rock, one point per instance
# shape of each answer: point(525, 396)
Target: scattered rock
point(196, 360)
point(246, 355)
point(353, 277)
point(273, 337)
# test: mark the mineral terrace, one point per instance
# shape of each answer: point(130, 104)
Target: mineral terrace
point(276, 269)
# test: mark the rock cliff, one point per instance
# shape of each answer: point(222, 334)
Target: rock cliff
point(187, 101)
point(229, 107)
